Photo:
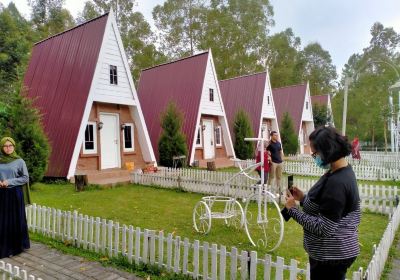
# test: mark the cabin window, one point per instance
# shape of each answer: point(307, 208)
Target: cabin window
point(90, 144)
point(211, 95)
point(129, 145)
point(198, 137)
point(218, 136)
point(306, 105)
point(113, 75)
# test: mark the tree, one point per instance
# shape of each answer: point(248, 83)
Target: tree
point(15, 44)
point(283, 59)
point(236, 31)
point(21, 121)
point(172, 141)
point(318, 69)
point(49, 17)
point(290, 141)
point(371, 74)
point(242, 129)
point(321, 115)
point(180, 25)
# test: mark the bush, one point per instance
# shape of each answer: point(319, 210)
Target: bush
point(242, 129)
point(172, 141)
point(21, 121)
point(321, 115)
point(289, 138)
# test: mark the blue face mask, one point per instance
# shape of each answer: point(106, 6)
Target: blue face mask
point(318, 161)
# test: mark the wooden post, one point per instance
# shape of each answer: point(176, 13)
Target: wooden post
point(80, 182)
point(211, 166)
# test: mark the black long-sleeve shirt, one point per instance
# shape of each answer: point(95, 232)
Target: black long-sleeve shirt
point(330, 217)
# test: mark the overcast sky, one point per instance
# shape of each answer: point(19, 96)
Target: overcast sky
point(340, 26)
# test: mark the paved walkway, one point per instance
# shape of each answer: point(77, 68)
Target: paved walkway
point(47, 263)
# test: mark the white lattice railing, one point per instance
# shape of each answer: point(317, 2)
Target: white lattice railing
point(9, 271)
point(197, 259)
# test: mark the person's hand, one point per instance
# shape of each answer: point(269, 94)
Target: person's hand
point(4, 184)
point(1, 184)
point(290, 201)
point(297, 193)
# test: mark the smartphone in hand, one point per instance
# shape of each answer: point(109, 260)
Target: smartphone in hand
point(290, 183)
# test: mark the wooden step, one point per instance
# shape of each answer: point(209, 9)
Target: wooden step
point(105, 177)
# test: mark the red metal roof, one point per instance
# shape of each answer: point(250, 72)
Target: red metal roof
point(290, 99)
point(178, 81)
point(320, 99)
point(58, 78)
point(246, 93)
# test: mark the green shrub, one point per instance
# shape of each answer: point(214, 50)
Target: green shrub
point(21, 121)
point(172, 141)
point(289, 138)
point(242, 129)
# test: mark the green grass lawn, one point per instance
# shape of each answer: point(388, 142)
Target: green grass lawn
point(171, 211)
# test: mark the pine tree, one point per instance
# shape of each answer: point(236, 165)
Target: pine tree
point(289, 138)
point(242, 129)
point(21, 121)
point(172, 141)
point(321, 115)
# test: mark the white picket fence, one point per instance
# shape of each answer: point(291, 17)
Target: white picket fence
point(197, 259)
point(379, 159)
point(381, 252)
point(379, 199)
point(9, 271)
point(363, 172)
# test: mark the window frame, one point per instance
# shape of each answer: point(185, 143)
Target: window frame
point(132, 126)
point(219, 128)
point(113, 76)
point(94, 150)
point(198, 136)
point(211, 95)
point(306, 105)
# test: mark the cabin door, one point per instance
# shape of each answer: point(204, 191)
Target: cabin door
point(109, 141)
point(208, 136)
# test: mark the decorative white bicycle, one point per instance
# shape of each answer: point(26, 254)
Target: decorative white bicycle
point(261, 217)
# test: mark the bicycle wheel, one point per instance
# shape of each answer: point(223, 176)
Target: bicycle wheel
point(263, 221)
point(202, 217)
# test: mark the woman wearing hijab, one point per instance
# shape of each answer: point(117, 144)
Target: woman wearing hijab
point(13, 175)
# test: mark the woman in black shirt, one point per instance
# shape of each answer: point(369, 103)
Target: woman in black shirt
point(331, 209)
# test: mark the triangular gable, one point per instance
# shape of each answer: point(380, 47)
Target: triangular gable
point(307, 107)
point(180, 82)
point(290, 99)
point(112, 53)
point(215, 108)
point(58, 78)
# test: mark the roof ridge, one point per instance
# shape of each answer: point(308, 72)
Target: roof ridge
point(243, 76)
point(173, 61)
point(65, 31)
point(303, 84)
